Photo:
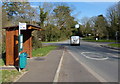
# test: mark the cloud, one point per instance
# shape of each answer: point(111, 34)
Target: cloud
point(34, 6)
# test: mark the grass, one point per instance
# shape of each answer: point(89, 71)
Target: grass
point(9, 75)
point(50, 42)
point(54, 41)
point(100, 40)
point(2, 62)
point(43, 51)
point(115, 45)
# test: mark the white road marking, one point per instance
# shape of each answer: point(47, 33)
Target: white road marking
point(83, 53)
point(101, 79)
point(58, 70)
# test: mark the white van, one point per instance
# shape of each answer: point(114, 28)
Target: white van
point(74, 40)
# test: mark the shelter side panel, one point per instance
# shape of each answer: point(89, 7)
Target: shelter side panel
point(16, 57)
point(9, 47)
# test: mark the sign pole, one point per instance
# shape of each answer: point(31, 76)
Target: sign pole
point(22, 26)
point(18, 47)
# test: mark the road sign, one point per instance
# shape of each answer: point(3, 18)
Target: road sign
point(22, 26)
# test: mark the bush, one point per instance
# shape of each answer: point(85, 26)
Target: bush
point(3, 44)
point(89, 38)
point(36, 43)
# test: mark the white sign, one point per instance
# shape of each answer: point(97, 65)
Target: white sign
point(22, 26)
point(89, 34)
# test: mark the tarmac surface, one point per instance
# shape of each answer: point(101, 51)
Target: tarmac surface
point(73, 71)
point(44, 69)
point(68, 70)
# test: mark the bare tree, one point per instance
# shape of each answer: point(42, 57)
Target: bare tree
point(113, 16)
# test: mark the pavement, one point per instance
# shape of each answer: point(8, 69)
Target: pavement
point(42, 69)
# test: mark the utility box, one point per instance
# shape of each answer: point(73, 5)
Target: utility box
point(23, 60)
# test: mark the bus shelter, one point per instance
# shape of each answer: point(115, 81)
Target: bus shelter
point(12, 57)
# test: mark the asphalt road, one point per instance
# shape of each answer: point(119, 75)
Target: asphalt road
point(101, 62)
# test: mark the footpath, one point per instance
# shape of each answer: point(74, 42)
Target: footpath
point(42, 69)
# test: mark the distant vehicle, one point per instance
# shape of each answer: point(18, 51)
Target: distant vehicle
point(74, 40)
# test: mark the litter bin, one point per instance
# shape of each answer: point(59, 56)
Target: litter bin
point(22, 60)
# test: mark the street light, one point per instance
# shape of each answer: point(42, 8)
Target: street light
point(77, 27)
point(116, 35)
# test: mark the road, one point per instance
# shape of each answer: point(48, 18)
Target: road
point(101, 62)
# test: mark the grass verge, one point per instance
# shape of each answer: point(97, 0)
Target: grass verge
point(50, 42)
point(43, 51)
point(115, 45)
point(54, 41)
point(100, 40)
point(9, 75)
point(2, 62)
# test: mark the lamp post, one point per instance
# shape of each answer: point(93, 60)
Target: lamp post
point(116, 35)
point(77, 26)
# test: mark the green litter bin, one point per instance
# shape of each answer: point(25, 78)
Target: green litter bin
point(23, 60)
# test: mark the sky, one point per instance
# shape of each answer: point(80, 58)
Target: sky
point(85, 9)
point(89, 9)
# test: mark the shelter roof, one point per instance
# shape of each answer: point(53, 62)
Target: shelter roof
point(29, 26)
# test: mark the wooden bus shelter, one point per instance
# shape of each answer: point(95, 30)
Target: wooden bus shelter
point(12, 43)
